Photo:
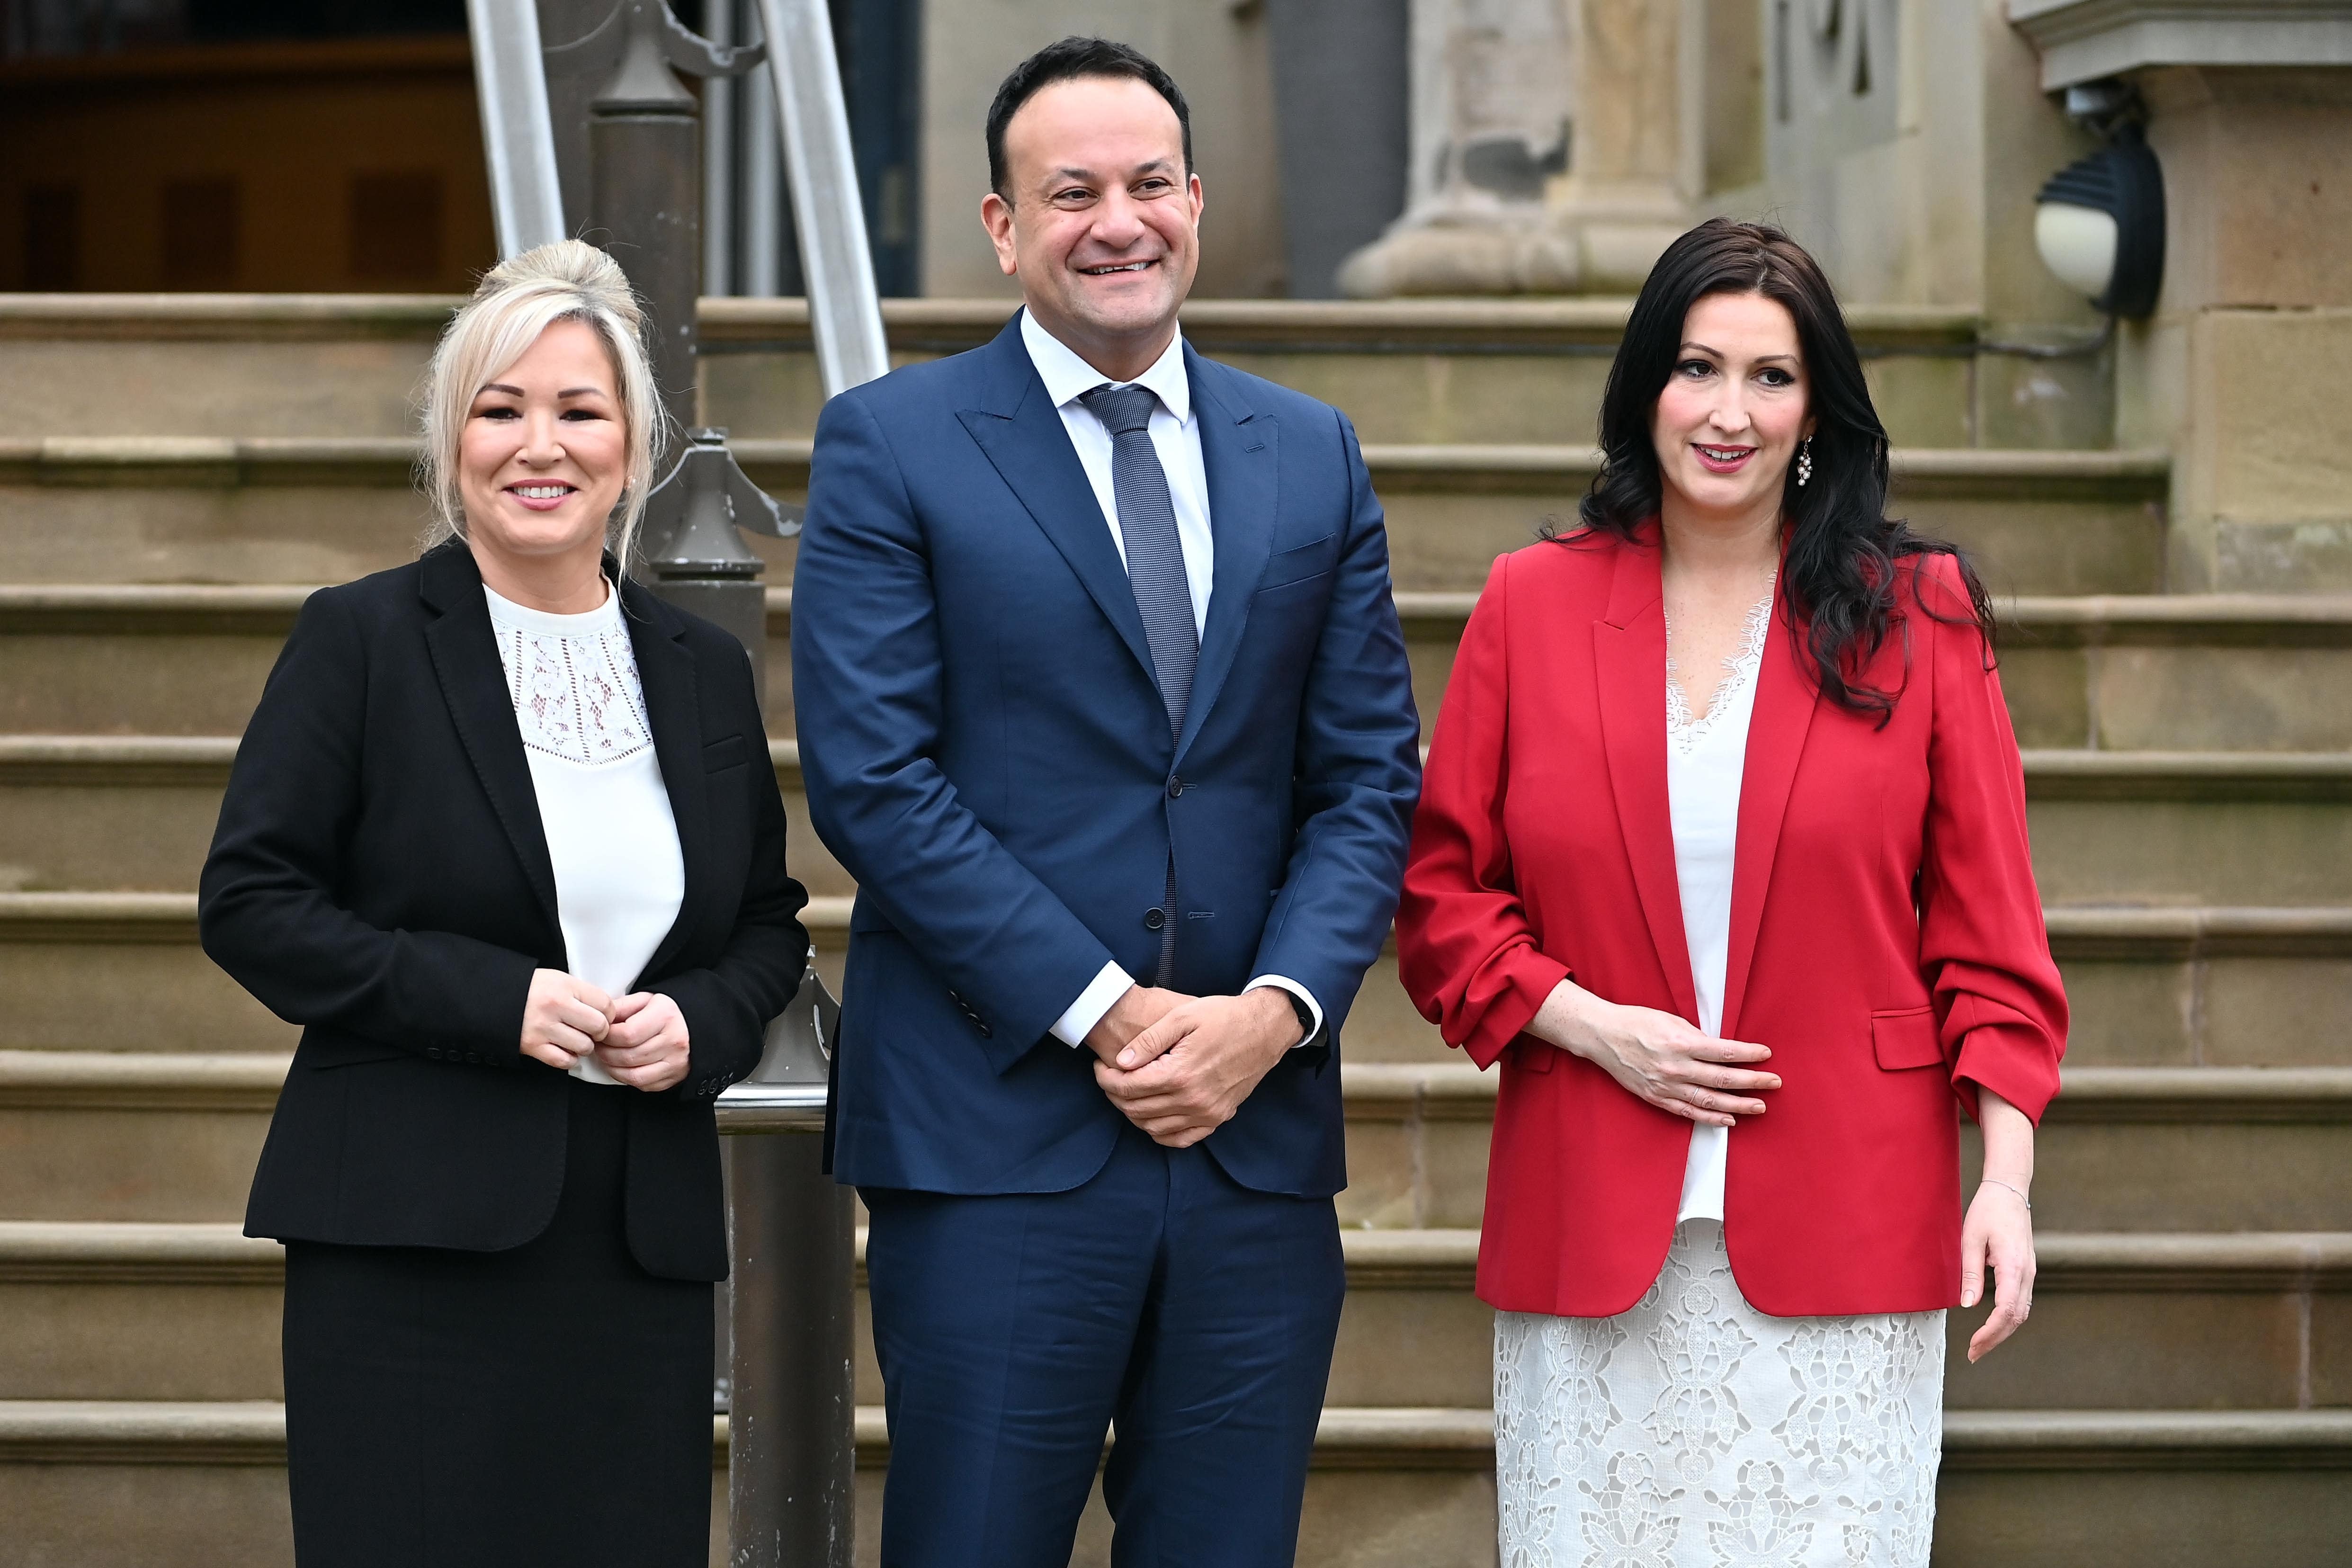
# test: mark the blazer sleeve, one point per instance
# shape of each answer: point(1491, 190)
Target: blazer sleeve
point(1982, 945)
point(1464, 950)
point(869, 673)
point(1358, 773)
point(265, 906)
point(727, 1005)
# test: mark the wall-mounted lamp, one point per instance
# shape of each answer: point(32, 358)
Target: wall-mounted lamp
point(2099, 224)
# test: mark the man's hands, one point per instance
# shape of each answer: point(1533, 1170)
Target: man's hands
point(647, 1048)
point(640, 1039)
point(1112, 1039)
point(1193, 1066)
point(563, 1018)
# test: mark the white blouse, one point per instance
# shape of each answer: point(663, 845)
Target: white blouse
point(620, 878)
point(1704, 758)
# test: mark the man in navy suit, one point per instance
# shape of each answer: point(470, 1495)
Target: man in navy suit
point(1103, 702)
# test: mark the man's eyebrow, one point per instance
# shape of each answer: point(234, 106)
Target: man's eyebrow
point(1072, 171)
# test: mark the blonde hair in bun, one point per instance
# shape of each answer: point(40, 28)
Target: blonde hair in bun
point(518, 300)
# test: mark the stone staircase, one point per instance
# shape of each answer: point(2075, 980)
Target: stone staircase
point(176, 472)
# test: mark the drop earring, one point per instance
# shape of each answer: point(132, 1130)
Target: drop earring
point(1804, 461)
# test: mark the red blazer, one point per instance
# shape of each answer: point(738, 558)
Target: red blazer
point(1887, 941)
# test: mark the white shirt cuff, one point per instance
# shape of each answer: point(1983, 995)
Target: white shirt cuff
point(1295, 989)
point(1105, 989)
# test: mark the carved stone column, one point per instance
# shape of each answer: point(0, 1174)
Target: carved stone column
point(1494, 94)
point(1554, 148)
point(1630, 185)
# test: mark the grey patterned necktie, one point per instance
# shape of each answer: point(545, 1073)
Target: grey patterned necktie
point(1155, 570)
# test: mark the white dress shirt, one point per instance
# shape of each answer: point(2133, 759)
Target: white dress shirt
point(612, 838)
point(1705, 760)
point(1175, 432)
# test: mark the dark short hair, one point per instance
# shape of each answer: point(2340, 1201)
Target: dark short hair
point(1068, 60)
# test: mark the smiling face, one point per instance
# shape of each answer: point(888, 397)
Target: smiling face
point(542, 463)
point(1100, 219)
point(1734, 408)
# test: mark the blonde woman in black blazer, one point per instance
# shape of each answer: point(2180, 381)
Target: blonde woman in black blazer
point(498, 1178)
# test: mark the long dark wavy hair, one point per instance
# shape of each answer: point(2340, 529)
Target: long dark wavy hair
point(1838, 579)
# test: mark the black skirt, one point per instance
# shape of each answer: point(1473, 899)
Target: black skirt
point(547, 1405)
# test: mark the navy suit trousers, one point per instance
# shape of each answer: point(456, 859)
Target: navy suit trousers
point(1162, 1297)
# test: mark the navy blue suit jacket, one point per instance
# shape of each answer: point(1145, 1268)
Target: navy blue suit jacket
point(986, 752)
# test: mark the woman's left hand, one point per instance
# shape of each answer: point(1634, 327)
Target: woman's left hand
point(1998, 1233)
point(645, 1046)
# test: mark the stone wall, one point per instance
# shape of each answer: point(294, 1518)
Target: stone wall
point(1218, 52)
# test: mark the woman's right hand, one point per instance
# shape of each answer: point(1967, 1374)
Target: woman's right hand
point(564, 1018)
point(1657, 1057)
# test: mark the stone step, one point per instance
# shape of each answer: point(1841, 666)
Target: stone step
point(1422, 370)
point(2145, 672)
point(96, 1135)
point(2216, 986)
point(102, 971)
point(2236, 1320)
point(2123, 1148)
point(223, 509)
point(128, 1484)
point(102, 812)
point(2122, 672)
point(107, 1310)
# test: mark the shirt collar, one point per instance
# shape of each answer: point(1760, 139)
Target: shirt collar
point(1067, 376)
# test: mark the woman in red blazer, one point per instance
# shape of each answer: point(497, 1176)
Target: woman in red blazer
point(1722, 854)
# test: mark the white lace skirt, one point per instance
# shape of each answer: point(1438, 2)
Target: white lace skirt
point(1694, 1431)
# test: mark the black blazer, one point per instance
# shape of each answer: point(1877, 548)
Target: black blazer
point(381, 877)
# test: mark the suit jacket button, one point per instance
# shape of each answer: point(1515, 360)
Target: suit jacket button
point(433, 1052)
point(1154, 918)
point(1175, 788)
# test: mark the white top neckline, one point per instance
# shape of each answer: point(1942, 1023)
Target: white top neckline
point(1706, 758)
point(574, 681)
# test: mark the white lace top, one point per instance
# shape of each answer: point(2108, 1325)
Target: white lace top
point(620, 879)
point(1704, 758)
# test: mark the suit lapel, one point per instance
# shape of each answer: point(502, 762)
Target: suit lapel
point(666, 669)
point(1629, 661)
point(1241, 454)
point(1023, 435)
point(1783, 716)
point(473, 683)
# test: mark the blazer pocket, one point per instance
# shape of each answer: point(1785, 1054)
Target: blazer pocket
point(1905, 1039)
point(728, 752)
point(1300, 563)
point(1534, 1055)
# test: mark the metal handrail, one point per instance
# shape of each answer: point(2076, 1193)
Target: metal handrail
point(836, 267)
point(517, 135)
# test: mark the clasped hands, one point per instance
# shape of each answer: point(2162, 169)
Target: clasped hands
point(1179, 1067)
point(640, 1039)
